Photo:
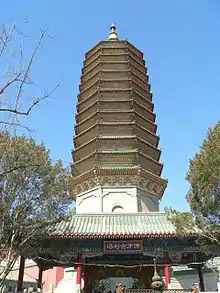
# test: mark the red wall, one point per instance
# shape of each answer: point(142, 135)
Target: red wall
point(50, 277)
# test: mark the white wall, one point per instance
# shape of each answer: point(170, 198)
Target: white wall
point(117, 200)
point(107, 200)
point(147, 202)
point(186, 281)
point(113, 198)
point(89, 202)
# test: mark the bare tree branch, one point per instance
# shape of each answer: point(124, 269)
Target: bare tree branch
point(5, 38)
point(26, 73)
point(26, 113)
point(15, 82)
point(16, 124)
point(37, 101)
point(10, 82)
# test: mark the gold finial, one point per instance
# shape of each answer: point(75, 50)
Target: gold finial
point(113, 35)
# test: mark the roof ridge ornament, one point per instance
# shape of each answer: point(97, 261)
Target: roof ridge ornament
point(113, 34)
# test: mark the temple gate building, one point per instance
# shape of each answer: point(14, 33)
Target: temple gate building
point(117, 230)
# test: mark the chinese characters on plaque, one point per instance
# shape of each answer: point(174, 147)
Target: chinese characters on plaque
point(127, 246)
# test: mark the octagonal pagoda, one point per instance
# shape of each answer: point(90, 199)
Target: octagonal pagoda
point(116, 160)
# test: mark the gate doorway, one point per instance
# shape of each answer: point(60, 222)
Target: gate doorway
point(105, 279)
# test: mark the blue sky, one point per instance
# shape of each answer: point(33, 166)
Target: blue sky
point(181, 44)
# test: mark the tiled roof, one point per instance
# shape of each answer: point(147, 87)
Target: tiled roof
point(115, 226)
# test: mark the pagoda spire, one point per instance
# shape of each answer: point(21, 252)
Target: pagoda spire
point(113, 34)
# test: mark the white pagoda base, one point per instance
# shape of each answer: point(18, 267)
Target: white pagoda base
point(116, 200)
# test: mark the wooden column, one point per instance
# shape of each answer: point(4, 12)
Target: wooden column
point(201, 279)
point(166, 269)
point(40, 276)
point(85, 279)
point(21, 274)
point(79, 273)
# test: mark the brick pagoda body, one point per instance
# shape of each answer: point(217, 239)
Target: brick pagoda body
point(116, 165)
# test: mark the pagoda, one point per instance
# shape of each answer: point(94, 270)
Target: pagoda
point(116, 159)
point(117, 230)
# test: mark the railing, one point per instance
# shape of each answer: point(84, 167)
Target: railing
point(165, 291)
point(153, 291)
point(28, 290)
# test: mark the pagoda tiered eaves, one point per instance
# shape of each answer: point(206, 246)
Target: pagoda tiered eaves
point(123, 142)
point(115, 123)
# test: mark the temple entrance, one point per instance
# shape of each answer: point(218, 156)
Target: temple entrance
point(104, 279)
point(108, 285)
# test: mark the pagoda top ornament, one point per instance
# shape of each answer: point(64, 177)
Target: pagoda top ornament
point(113, 34)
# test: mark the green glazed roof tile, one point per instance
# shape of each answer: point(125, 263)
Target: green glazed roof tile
point(115, 225)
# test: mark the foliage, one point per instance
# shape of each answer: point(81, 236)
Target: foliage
point(99, 286)
point(137, 284)
point(34, 193)
point(204, 194)
point(72, 211)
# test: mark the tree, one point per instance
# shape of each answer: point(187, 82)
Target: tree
point(15, 102)
point(33, 190)
point(34, 194)
point(204, 194)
